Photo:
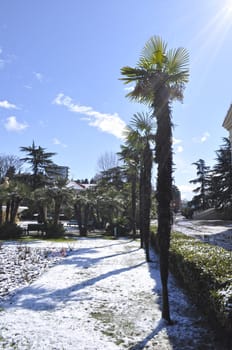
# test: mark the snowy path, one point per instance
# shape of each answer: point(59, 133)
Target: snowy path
point(103, 295)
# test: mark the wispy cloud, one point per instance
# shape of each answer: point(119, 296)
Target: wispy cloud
point(5, 59)
point(176, 141)
point(7, 105)
point(12, 124)
point(28, 87)
point(205, 136)
point(178, 148)
point(129, 88)
point(2, 61)
point(39, 76)
point(202, 138)
point(58, 142)
point(109, 123)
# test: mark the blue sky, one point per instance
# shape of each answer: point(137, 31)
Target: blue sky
point(60, 66)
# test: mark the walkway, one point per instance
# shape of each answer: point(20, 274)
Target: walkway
point(102, 295)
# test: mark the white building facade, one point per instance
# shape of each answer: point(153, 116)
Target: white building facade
point(227, 124)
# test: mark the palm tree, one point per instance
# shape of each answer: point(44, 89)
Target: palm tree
point(130, 157)
point(43, 200)
point(60, 195)
point(159, 78)
point(140, 135)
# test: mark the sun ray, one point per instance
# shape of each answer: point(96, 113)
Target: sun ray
point(213, 35)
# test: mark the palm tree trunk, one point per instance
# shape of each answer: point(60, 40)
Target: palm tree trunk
point(78, 214)
point(141, 206)
point(164, 189)
point(1, 213)
point(57, 212)
point(15, 210)
point(147, 159)
point(133, 204)
point(7, 214)
point(86, 217)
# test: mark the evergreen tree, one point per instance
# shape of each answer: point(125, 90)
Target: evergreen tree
point(221, 179)
point(39, 160)
point(200, 200)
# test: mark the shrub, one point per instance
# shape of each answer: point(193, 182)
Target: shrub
point(10, 231)
point(205, 271)
point(187, 212)
point(54, 231)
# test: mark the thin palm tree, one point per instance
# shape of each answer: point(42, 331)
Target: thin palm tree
point(159, 78)
point(140, 135)
point(130, 157)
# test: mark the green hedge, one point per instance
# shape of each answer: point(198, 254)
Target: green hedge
point(10, 231)
point(205, 271)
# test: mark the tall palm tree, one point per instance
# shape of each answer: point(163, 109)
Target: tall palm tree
point(159, 78)
point(130, 157)
point(140, 135)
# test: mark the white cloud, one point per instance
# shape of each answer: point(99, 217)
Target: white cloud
point(179, 149)
point(2, 61)
point(203, 138)
point(58, 142)
point(13, 125)
point(5, 60)
point(129, 88)
point(176, 141)
point(7, 105)
point(39, 76)
point(109, 123)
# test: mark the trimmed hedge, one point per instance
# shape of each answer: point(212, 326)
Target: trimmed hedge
point(54, 230)
point(205, 271)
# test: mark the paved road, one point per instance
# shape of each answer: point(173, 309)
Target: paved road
point(216, 232)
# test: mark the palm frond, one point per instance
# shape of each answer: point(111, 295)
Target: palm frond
point(154, 52)
point(157, 67)
point(177, 61)
point(132, 74)
point(142, 121)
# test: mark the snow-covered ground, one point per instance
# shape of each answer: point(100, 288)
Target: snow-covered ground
point(100, 294)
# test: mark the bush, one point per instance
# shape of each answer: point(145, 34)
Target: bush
point(54, 231)
point(205, 271)
point(10, 231)
point(187, 212)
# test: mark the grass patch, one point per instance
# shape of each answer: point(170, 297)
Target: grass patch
point(33, 238)
point(104, 317)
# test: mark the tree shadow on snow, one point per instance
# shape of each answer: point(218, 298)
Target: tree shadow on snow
point(76, 257)
point(40, 298)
